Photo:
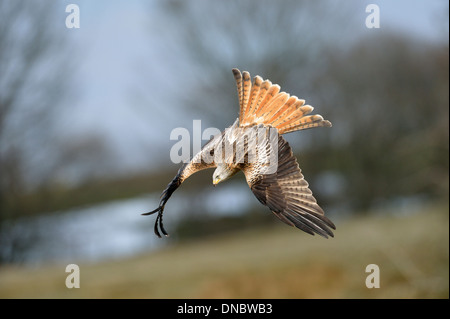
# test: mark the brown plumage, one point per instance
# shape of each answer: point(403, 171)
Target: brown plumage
point(254, 145)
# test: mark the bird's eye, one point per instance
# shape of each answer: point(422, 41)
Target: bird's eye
point(211, 152)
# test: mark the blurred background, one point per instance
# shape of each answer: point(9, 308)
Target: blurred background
point(85, 121)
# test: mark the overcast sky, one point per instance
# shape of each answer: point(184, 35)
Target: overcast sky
point(118, 46)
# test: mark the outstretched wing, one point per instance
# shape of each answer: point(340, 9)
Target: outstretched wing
point(286, 192)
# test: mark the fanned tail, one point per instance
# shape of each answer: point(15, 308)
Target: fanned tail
point(262, 102)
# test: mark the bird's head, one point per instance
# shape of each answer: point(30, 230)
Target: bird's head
point(222, 173)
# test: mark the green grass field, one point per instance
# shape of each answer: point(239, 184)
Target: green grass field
point(412, 252)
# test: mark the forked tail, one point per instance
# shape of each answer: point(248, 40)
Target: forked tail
point(262, 102)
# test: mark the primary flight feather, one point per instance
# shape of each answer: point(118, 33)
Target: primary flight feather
point(255, 146)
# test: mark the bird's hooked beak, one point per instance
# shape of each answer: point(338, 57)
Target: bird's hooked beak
point(216, 181)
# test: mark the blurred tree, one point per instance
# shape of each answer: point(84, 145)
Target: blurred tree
point(31, 86)
point(34, 81)
point(284, 42)
point(391, 119)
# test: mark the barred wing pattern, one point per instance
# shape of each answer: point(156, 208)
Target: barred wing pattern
point(286, 193)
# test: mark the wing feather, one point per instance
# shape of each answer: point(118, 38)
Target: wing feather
point(286, 192)
point(247, 85)
point(257, 81)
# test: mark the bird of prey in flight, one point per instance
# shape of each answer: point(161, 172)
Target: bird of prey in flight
point(254, 145)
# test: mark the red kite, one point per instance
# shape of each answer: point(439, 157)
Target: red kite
point(255, 146)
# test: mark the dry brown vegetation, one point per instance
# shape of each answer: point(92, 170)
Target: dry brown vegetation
point(411, 250)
